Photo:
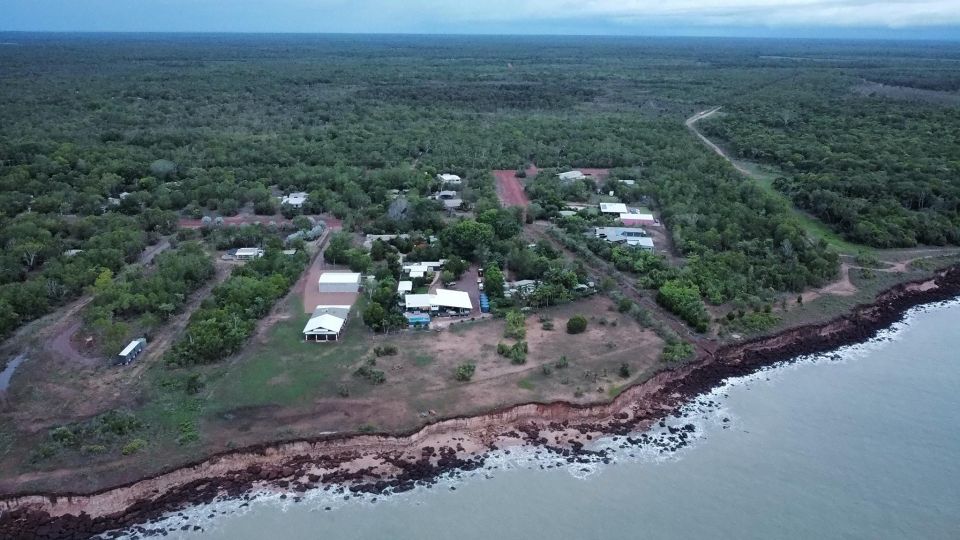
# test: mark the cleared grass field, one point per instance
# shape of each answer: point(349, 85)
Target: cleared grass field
point(764, 177)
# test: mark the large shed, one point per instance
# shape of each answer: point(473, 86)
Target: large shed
point(339, 282)
point(131, 351)
point(326, 323)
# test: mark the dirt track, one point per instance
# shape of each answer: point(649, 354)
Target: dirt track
point(510, 189)
point(691, 125)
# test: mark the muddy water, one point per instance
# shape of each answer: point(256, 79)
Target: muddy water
point(8, 371)
point(861, 443)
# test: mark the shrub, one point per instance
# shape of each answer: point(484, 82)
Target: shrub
point(547, 370)
point(624, 370)
point(465, 371)
point(64, 436)
point(133, 447)
point(373, 376)
point(562, 363)
point(548, 325)
point(385, 350)
point(577, 324)
point(677, 351)
point(516, 325)
point(518, 355)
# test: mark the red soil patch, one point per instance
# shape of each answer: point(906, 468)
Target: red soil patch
point(510, 189)
point(597, 175)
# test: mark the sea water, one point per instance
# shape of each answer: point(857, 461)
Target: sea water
point(863, 442)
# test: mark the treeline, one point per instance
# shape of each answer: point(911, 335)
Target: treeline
point(881, 172)
point(142, 299)
point(228, 318)
point(49, 260)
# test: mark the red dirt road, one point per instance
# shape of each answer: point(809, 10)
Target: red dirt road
point(510, 189)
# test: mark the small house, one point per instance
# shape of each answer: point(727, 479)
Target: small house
point(451, 179)
point(247, 254)
point(417, 320)
point(295, 200)
point(339, 282)
point(571, 176)
point(131, 351)
point(632, 237)
point(404, 287)
point(632, 220)
point(613, 208)
point(452, 204)
point(326, 323)
point(445, 195)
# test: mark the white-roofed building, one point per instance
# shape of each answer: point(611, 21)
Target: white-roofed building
point(442, 301)
point(570, 176)
point(613, 208)
point(404, 287)
point(631, 219)
point(326, 323)
point(418, 302)
point(131, 351)
point(452, 204)
point(247, 254)
point(633, 237)
point(339, 282)
point(421, 268)
point(295, 199)
point(449, 179)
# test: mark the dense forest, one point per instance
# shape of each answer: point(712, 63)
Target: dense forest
point(883, 172)
point(106, 141)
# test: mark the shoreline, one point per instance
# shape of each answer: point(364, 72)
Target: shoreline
point(374, 463)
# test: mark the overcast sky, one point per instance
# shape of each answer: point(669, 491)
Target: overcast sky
point(827, 18)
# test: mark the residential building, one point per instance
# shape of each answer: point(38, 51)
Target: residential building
point(404, 287)
point(631, 219)
point(417, 320)
point(452, 204)
point(339, 282)
point(295, 200)
point(570, 176)
point(630, 236)
point(247, 254)
point(419, 269)
point(613, 208)
point(449, 179)
point(326, 323)
point(440, 302)
point(445, 195)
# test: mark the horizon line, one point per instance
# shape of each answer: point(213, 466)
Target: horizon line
point(901, 35)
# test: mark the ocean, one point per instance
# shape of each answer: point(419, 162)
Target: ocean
point(863, 442)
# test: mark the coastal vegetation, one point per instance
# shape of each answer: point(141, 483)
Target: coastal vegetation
point(131, 167)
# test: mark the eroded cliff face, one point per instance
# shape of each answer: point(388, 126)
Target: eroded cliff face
point(374, 463)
